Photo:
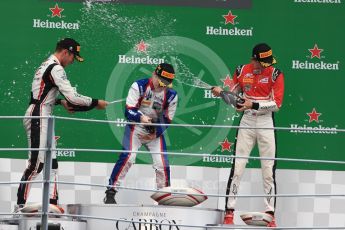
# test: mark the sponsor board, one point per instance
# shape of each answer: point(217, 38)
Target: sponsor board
point(309, 128)
point(141, 57)
point(146, 224)
point(315, 53)
point(148, 220)
point(296, 64)
point(319, 1)
point(123, 59)
point(51, 23)
point(226, 146)
point(230, 18)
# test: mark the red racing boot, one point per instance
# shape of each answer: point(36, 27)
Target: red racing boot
point(229, 217)
point(272, 224)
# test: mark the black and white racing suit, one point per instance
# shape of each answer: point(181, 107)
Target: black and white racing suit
point(50, 79)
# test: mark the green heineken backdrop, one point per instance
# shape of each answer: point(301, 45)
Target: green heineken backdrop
point(123, 41)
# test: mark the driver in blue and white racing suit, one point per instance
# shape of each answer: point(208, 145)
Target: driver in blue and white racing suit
point(150, 100)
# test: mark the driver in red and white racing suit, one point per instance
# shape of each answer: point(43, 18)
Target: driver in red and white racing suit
point(262, 86)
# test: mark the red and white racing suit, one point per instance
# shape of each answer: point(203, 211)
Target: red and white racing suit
point(266, 91)
point(50, 79)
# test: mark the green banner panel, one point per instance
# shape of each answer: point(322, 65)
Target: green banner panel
point(123, 41)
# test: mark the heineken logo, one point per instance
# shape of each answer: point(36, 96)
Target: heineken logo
point(38, 23)
point(227, 82)
point(63, 153)
point(220, 31)
point(314, 61)
point(315, 52)
point(217, 159)
point(141, 56)
point(226, 145)
point(296, 64)
point(142, 47)
point(55, 12)
point(124, 59)
point(312, 118)
point(230, 19)
point(319, 1)
point(313, 129)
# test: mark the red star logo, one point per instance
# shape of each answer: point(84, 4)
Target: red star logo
point(56, 11)
point(230, 18)
point(314, 116)
point(227, 82)
point(142, 46)
point(226, 145)
point(315, 52)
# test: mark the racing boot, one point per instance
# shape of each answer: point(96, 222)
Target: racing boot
point(110, 196)
point(17, 208)
point(272, 224)
point(229, 217)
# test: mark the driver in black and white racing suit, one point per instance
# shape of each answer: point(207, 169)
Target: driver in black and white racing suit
point(50, 79)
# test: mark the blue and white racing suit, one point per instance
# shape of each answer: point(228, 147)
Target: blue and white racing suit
point(161, 106)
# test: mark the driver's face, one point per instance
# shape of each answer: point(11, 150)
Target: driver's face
point(67, 58)
point(257, 66)
point(158, 84)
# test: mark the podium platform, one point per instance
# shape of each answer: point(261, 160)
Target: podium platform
point(145, 217)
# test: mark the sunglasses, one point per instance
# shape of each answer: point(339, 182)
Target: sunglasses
point(161, 84)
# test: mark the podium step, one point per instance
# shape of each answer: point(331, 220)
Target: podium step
point(7, 226)
point(53, 224)
point(233, 227)
point(34, 223)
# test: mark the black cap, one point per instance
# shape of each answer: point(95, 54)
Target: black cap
point(263, 54)
point(166, 73)
point(71, 45)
